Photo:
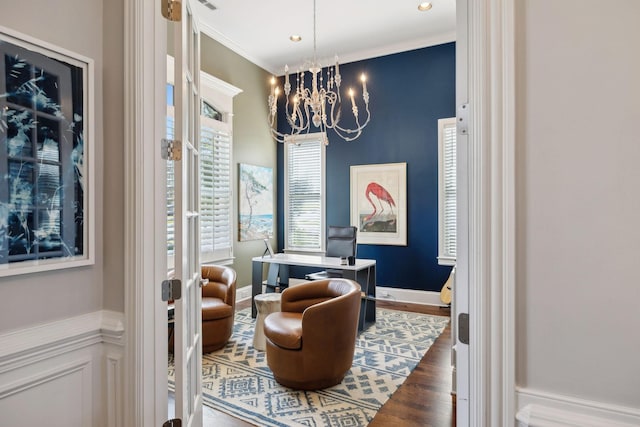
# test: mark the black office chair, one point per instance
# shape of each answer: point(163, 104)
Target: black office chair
point(341, 242)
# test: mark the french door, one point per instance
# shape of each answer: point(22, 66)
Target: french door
point(188, 313)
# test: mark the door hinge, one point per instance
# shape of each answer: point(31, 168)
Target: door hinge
point(172, 10)
point(171, 149)
point(463, 328)
point(462, 121)
point(176, 422)
point(171, 289)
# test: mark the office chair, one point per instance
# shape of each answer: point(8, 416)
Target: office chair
point(341, 242)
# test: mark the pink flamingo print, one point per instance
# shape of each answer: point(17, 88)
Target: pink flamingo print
point(381, 194)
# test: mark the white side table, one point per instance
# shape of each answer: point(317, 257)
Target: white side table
point(265, 305)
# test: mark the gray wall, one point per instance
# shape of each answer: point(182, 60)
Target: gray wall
point(251, 136)
point(578, 205)
point(113, 84)
point(79, 26)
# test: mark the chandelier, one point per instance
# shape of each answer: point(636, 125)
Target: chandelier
point(320, 105)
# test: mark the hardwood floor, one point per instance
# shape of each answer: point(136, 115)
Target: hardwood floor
point(424, 399)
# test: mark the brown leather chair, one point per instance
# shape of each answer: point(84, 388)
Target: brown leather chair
point(311, 342)
point(218, 306)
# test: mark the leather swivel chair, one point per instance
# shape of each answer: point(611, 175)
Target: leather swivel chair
point(341, 242)
point(310, 344)
point(218, 306)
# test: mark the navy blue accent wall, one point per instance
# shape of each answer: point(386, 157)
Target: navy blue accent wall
point(409, 92)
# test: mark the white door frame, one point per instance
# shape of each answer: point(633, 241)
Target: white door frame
point(146, 346)
point(491, 267)
point(490, 249)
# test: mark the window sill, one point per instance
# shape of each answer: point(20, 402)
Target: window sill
point(446, 260)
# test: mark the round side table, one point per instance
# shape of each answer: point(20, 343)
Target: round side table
point(265, 305)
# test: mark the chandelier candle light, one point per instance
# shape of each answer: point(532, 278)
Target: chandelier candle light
point(319, 105)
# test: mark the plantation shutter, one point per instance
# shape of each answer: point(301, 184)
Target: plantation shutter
point(304, 180)
point(171, 232)
point(215, 195)
point(447, 190)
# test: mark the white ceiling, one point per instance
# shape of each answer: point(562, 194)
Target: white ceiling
point(352, 29)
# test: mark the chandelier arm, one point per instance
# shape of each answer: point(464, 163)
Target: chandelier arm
point(286, 137)
point(345, 137)
point(358, 127)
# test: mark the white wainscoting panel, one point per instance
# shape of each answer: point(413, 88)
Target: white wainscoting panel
point(541, 409)
point(65, 373)
point(60, 396)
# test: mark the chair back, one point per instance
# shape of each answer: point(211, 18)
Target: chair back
point(222, 283)
point(341, 241)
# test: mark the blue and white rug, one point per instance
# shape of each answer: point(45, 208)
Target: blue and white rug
point(236, 379)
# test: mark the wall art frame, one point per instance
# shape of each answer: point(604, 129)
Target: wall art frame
point(255, 204)
point(379, 203)
point(46, 156)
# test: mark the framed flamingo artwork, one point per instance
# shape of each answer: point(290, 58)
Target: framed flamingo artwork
point(379, 203)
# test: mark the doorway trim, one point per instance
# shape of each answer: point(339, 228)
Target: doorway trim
point(146, 349)
point(491, 213)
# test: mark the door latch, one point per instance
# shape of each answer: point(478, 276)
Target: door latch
point(463, 328)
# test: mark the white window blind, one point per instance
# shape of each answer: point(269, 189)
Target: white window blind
point(171, 232)
point(215, 194)
point(304, 194)
point(447, 210)
point(216, 241)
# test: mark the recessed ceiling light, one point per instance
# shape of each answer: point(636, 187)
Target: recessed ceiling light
point(295, 38)
point(424, 6)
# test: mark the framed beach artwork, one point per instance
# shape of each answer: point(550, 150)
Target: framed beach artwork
point(255, 202)
point(46, 148)
point(379, 203)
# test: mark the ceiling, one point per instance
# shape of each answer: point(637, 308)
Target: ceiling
point(352, 29)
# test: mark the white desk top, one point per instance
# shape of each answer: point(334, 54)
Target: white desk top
point(315, 261)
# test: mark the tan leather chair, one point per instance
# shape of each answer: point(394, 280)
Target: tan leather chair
point(311, 342)
point(218, 306)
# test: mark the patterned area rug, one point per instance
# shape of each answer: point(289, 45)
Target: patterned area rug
point(236, 379)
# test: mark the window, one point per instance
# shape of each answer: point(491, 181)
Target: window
point(216, 143)
point(447, 191)
point(304, 183)
point(216, 242)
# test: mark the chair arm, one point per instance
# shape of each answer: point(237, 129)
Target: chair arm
point(299, 298)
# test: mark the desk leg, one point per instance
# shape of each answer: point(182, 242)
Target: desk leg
point(256, 284)
point(364, 303)
point(284, 276)
point(371, 295)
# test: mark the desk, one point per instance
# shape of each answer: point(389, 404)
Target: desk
point(363, 272)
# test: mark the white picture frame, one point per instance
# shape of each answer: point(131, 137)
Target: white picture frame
point(269, 249)
point(46, 156)
point(379, 203)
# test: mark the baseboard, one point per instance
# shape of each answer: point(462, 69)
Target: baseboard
point(408, 295)
point(243, 293)
point(538, 408)
point(382, 293)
